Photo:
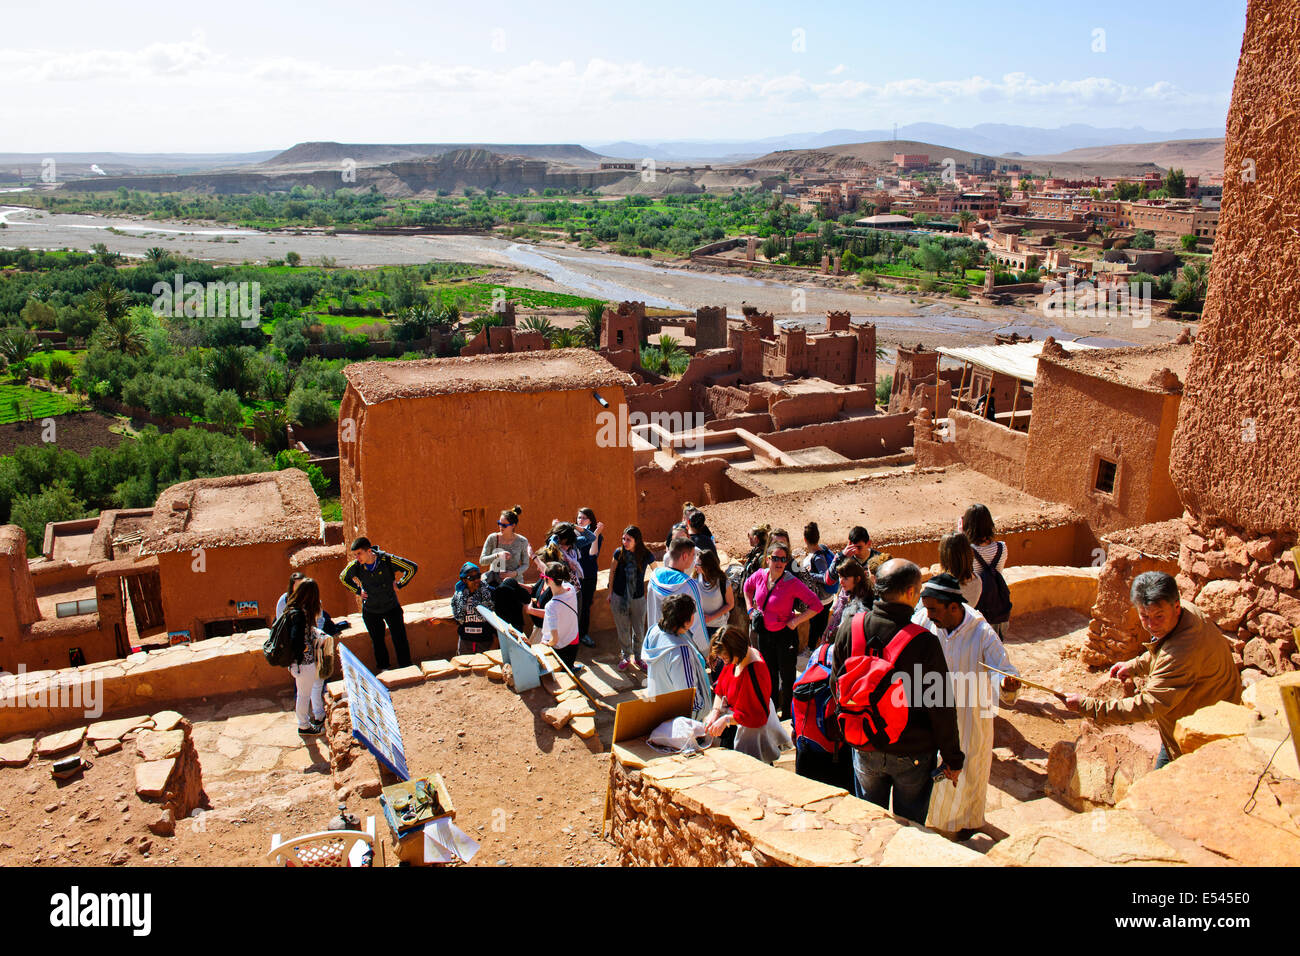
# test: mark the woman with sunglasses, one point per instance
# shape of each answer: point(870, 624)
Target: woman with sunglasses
point(475, 634)
point(505, 549)
point(770, 594)
point(505, 554)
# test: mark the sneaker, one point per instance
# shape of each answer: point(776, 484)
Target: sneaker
point(312, 730)
point(588, 641)
point(640, 663)
point(622, 665)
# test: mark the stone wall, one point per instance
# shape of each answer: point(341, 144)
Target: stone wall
point(1248, 586)
point(722, 808)
point(1114, 631)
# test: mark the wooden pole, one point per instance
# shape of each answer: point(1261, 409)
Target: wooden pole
point(1014, 400)
point(1291, 705)
point(962, 387)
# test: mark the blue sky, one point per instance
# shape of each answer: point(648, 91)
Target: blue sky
point(242, 76)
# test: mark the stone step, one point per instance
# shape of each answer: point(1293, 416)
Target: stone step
point(1021, 815)
point(604, 680)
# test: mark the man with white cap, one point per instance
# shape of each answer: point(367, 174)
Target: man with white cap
point(968, 641)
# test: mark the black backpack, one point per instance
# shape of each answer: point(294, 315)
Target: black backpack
point(278, 648)
point(995, 599)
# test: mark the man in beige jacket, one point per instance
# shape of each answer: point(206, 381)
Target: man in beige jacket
point(1187, 665)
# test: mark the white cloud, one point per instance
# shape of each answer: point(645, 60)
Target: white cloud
point(541, 100)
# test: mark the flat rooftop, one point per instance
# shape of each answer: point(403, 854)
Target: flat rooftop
point(1134, 366)
point(895, 507)
point(552, 370)
point(234, 511)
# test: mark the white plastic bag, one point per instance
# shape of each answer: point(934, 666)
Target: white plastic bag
point(679, 735)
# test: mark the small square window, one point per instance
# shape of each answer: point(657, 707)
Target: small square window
point(1106, 470)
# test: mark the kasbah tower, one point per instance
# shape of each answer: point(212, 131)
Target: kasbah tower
point(1236, 454)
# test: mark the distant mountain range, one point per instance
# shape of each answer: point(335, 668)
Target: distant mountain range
point(990, 139)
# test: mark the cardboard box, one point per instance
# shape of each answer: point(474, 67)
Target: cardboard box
point(408, 837)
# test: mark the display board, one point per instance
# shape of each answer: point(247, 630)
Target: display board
point(374, 722)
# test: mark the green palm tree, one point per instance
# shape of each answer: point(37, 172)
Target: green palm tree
point(155, 254)
point(589, 324)
point(539, 323)
point(16, 345)
point(270, 427)
point(108, 300)
point(120, 333)
point(480, 322)
point(566, 339)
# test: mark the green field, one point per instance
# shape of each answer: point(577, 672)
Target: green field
point(40, 361)
point(20, 403)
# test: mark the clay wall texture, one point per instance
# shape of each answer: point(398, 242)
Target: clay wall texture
point(324, 564)
point(1065, 544)
point(429, 475)
point(755, 424)
point(803, 408)
point(991, 449)
point(255, 572)
point(660, 494)
point(855, 438)
point(1234, 456)
point(1079, 418)
point(39, 644)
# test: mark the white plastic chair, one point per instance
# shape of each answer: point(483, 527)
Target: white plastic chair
point(326, 848)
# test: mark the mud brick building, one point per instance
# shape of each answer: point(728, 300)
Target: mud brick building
point(431, 452)
point(224, 549)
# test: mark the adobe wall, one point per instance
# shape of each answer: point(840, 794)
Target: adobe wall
point(324, 564)
point(430, 475)
point(1063, 545)
point(759, 424)
point(719, 401)
point(190, 597)
point(59, 575)
point(803, 408)
point(660, 493)
point(1234, 452)
point(992, 449)
point(854, 438)
point(47, 643)
point(145, 682)
point(18, 607)
point(1079, 417)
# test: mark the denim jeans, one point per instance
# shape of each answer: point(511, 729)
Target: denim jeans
point(907, 777)
point(629, 620)
point(1163, 757)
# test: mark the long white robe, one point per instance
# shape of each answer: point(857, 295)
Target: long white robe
point(664, 583)
point(977, 692)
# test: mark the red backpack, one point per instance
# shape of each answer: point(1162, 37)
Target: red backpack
point(872, 704)
point(814, 703)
